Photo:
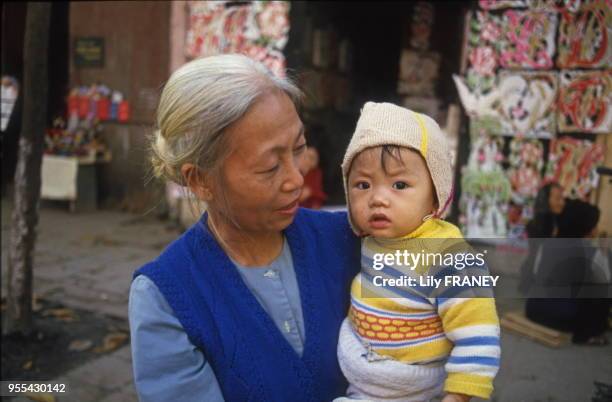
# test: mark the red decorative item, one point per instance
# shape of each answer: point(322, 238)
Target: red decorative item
point(124, 111)
point(83, 106)
point(103, 109)
point(73, 105)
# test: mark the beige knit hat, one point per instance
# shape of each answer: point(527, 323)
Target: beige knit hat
point(389, 124)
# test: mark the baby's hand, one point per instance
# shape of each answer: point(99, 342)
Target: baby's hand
point(456, 398)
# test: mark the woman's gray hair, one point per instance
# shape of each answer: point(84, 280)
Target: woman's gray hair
point(198, 102)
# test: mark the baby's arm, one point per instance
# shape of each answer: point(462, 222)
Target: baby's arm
point(473, 326)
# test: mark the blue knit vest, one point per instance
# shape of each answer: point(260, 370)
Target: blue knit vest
point(250, 357)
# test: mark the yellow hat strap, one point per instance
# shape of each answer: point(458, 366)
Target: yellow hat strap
point(424, 135)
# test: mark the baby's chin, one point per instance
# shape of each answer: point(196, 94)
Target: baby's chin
point(389, 233)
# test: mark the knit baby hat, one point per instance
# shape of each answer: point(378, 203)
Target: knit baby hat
point(389, 124)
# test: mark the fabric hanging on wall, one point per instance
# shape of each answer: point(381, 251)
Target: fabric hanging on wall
point(572, 163)
point(585, 99)
point(257, 29)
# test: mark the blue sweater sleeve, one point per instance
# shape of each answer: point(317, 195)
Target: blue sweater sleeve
point(165, 362)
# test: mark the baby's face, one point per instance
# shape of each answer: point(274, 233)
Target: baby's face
point(392, 203)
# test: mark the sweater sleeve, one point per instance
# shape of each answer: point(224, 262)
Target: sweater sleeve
point(473, 327)
point(166, 364)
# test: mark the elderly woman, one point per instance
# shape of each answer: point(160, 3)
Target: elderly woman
point(247, 304)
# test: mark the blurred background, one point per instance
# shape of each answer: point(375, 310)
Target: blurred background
point(522, 89)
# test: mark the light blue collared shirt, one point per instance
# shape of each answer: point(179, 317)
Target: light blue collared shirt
point(167, 365)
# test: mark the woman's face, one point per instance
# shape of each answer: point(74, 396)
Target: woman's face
point(261, 178)
point(556, 202)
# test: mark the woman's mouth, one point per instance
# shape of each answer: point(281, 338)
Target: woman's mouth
point(379, 221)
point(289, 209)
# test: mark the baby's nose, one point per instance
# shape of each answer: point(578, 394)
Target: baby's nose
point(378, 199)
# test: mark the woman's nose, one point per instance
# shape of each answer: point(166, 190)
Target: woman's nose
point(293, 179)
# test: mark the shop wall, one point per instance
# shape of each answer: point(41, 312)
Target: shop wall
point(136, 39)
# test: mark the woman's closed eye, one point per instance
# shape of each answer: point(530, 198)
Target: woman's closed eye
point(400, 185)
point(300, 149)
point(270, 170)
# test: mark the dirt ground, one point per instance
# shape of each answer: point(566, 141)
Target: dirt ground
point(62, 339)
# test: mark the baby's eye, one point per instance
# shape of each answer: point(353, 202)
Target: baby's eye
point(362, 185)
point(400, 185)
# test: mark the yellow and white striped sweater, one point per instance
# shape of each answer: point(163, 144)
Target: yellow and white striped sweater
point(413, 327)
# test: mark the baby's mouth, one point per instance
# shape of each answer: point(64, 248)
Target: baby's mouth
point(379, 221)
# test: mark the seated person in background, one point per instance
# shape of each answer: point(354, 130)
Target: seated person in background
point(313, 195)
point(569, 267)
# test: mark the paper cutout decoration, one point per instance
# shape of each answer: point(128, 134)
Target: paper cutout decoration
point(585, 100)
point(529, 39)
point(518, 39)
point(554, 5)
point(526, 161)
point(258, 29)
point(484, 37)
point(520, 103)
point(418, 72)
point(497, 4)
point(585, 36)
point(572, 163)
point(485, 190)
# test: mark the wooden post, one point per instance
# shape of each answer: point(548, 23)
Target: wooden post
point(27, 176)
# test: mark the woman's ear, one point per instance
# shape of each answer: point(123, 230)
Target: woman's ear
point(197, 181)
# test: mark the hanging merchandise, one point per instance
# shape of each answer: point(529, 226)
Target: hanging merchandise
point(585, 36)
point(418, 72)
point(421, 25)
point(485, 190)
point(529, 39)
point(518, 103)
point(526, 161)
point(80, 135)
point(497, 4)
point(556, 5)
point(484, 41)
point(516, 39)
point(572, 163)
point(10, 91)
point(84, 140)
point(257, 29)
point(585, 100)
point(507, 91)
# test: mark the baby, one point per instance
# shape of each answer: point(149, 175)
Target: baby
point(408, 343)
